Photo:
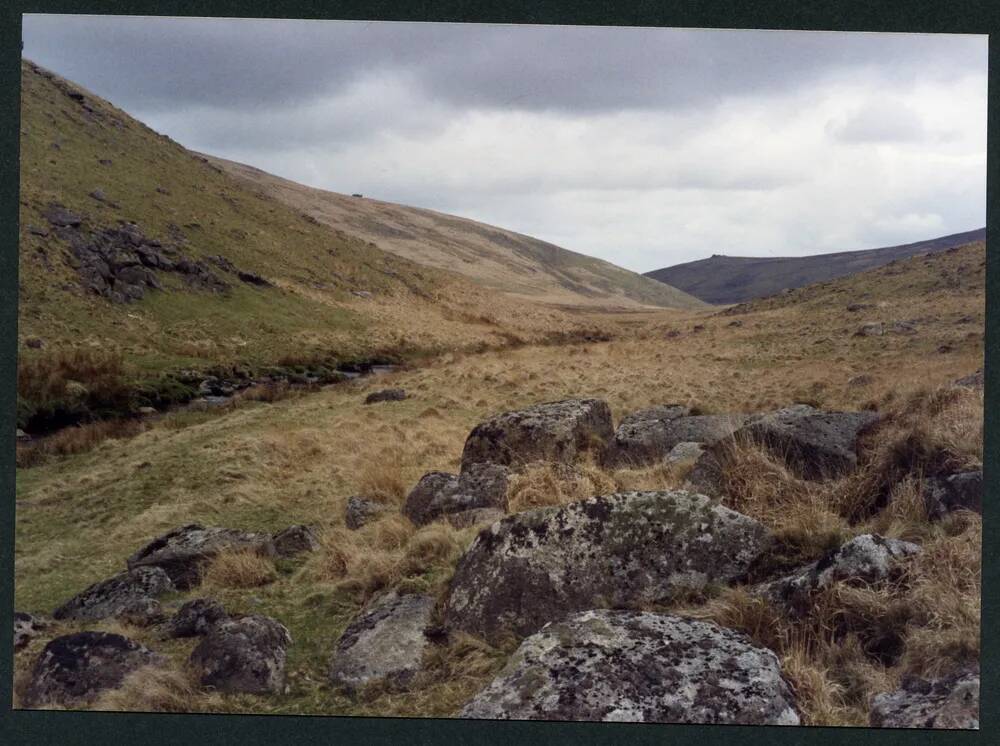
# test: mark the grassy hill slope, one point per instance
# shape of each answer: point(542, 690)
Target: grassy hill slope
point(732, 279)
point(495, 257)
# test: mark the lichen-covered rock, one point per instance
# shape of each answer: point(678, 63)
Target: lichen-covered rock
point(474, 517)
point(951, 702)
point(641, 442)
point(26, 628)
point(183, 551)
point(480, 485)
point(74, 670)
point(559, 431)
point(961, 491)
point(194, 618)
point(385, 395)
point(868, 558)
point(815, 444)
point(638, 667)
point(611, 551)
point(295, 540)
point(684, 452)
point(131, 594)
point(245, 654)
point(659, 412)
point(385, 643)
point(362, 510)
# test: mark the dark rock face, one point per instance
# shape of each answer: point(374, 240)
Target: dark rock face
point(951, 702)
point(195, 618)
point(243, 655)
point(638, 667)
point(815, 444)
point(643, 438)
point(26, 628)
point(868, 558)
point(74, 669)
point(613, 551)
point(481, 485)
point(556, 431)
point(961, 491)
point(183, 551)
point(131, 594)
point(385, 642)
point(385, 395)
point(295, 540)
point(361, 510)
point(971, 381)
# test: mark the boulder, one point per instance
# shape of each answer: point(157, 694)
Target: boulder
point(641, 442)
point(384, 643)
point(961, 491)
point(559, 431)
point(362, 510)
point(684, 452)
point(246, 654)
point(194, 618)
point(950, 702)
point(868, 558)
point(474, 517)
point(26, 628)
point(295, 540)
point(815, 444)
point(481, 485)
point(659, 412)
point(385, 395)
point(631, 666)
point(59, 216)
point(615, 551)
point(183, 551)
point(130, 595)
point(73, 670)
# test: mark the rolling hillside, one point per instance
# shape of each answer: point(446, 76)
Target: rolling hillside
point(733, 279)
point(494, 257)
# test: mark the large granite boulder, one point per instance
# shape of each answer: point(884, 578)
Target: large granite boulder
point(638, 667)
point(130, 595)
point(559, 431)
point(658, 412)
point(480, 485)
point(26, 628)
point(183, 551)
point(617, 550)
point(815, 444)
point(868, 558)
point(73, 670)
point(385, 643)
point(961, 491)
point(644, 438)
point(951, 702)
point(245, 654)
point(194, 619)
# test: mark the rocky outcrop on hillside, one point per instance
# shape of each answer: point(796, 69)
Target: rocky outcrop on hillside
point(638, 667)
point(245, 654)
point(649, 436)
point(130, 595)
point(950, 702)
point(615, 550)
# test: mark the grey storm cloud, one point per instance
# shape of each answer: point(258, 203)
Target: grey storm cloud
point(643, 146)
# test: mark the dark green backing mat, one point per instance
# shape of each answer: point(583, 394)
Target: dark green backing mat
point(982, 16)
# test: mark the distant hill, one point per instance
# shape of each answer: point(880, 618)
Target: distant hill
point(494, 257)
point(733, 279)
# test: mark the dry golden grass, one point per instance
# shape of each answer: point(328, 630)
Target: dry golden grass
point(238, 568)
point(156, 689)
point(78, 439)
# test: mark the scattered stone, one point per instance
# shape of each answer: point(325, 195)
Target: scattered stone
point(26, 628)
point(361, 293)
point(961, 491)
point(555, 431)
point(183, 551)
point(385, 395)
point(684, 452)
point(246, 654)
point(735, 322)
point(194, 619)
point(474, 517)
point(672, 334)
point(631, 666)
point(131, 594)
point(965, 320)
point(59, 216)
point(34, 230)
point(147, 411)
point(386, 643)
point(903, 327)
point(73, 670)
point(612, 551)
point(698, 328)
point(34, 343)
point(945, 349)
point(481, 485)
point(22, 436)
point(295, 540)
point(161, 190)
point(855, 307)
point(641, 441)
point(814, 443)
point(105, 161)
point(872, 329)
point(951, 702)
point(868, 558)
point(98, 195)
point(362, 510)
point(972, 381)
point(862, 380)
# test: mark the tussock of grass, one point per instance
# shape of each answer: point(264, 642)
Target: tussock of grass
point(78, 439)
point(238, 569)
point(156, 689)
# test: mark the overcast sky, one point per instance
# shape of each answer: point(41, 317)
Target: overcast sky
point(645, 147)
